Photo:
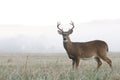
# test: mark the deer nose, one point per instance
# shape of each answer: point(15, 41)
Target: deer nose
point(64, 38)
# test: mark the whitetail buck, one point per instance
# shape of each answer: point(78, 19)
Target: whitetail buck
point(83, 50)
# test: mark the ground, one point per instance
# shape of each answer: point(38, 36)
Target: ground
point(55, 67)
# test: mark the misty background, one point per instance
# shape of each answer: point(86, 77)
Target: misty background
point(29, 26)
point(37, 39)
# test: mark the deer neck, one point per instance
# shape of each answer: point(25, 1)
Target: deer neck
point(67, 44)
point(68, 47)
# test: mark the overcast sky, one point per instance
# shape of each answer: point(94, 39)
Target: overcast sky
point(30, 24)
point(47, 12)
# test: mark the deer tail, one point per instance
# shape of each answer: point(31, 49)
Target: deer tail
point(107, 47)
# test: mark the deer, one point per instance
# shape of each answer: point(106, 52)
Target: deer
point(84, 50)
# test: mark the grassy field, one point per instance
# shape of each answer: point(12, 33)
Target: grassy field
point(55, 67)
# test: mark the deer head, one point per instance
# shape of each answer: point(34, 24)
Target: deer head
point(65, 34)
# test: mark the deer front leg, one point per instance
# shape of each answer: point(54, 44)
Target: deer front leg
point(77, 62)
point(73, 63)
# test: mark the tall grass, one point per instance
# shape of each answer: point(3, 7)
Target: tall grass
point(54, 67)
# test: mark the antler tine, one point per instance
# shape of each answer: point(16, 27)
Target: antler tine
point(72, 24)
point(58, 24)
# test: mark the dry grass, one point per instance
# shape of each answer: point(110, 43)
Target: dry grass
point(54, 67)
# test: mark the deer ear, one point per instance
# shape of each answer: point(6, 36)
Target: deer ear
point(59, 31)
point(70, 31)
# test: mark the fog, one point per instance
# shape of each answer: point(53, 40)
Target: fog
point(29, 26)
point(45, 39)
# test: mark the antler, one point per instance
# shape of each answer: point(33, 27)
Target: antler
point(72, 24)
point(58, 24)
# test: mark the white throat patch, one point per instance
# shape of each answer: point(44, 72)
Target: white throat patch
point(65, 38)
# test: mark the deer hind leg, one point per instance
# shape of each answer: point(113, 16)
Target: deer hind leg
point(99, 62)
point(108, 61)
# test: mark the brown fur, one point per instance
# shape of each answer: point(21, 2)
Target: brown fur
point(83, 50)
